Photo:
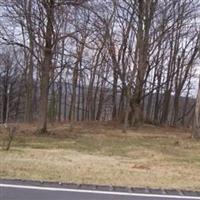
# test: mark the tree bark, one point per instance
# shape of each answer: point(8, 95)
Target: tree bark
point(29, 80)
point(46, 66)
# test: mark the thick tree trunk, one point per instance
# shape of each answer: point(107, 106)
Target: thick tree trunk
point(52, 108)
point(29, 84)
point(5, 95)
point(127, 108)
point(46, 67)
point(29, 94)
point(146, 9)
point(44, 93)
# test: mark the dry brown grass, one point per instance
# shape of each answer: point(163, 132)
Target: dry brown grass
point(101, 154)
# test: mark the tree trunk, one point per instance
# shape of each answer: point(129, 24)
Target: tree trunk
point(60, 83)
point(73, 97)
point(146, 9)
point(29, 86)
point(176, 108)
point(46, 66)
point(114, 94)
point(65, 102)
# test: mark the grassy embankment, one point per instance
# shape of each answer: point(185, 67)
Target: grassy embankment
point(101, 154)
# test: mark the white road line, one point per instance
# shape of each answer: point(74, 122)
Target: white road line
point(96, 192)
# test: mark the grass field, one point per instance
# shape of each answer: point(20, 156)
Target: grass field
point(102, 154)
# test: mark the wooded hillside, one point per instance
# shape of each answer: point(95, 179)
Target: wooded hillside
point(130, 61)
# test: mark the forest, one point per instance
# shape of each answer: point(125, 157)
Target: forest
point(128, 61)
point(103, 93)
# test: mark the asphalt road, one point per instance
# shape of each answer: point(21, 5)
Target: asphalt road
point(32, 192)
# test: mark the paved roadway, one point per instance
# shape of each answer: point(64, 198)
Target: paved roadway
point(18, 191)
